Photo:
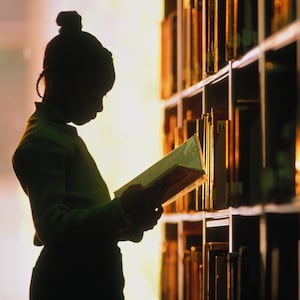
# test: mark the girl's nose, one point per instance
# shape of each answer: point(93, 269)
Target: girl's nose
point(100, 106)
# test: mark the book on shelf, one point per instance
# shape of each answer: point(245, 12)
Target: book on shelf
point(192, 201)
point(220, 277)
point(237, 271)
point(196, 40)
point(192, 42)
point(209, 37)
point(187, 33)
point(187, 289)
point(192, 263)
point(243, 291)
point(219, 34)
point(170, 127)
point(169, 55)
point(216, 269)
point(196, 272)
point(169, 6)
point(230, 29)
point(180, 171)
point(175, 206)
point(206, 190)
point(192, 258)
point(220, 176)
point(215, 140)
point(283, 272)
point(232, 275)
point(243, 274)
point(169, 263)
point(246, 169)
point(241, 27)
point(169, 270)
point(283, 12)
point(280, 128)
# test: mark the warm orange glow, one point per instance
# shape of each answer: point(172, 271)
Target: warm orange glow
point(297, 163)
point(124, 139)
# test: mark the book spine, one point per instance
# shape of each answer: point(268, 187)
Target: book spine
point(284, 12)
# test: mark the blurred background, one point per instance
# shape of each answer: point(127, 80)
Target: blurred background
point(124, 139)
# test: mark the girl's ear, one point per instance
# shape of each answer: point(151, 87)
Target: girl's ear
point(38, 83)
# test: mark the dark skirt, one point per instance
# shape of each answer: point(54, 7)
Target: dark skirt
point(87, 272)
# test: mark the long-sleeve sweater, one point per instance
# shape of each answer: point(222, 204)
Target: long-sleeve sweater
point(69, 199)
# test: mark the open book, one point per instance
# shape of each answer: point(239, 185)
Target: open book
point(181, 171)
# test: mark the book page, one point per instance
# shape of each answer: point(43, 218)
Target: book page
point(179, 169)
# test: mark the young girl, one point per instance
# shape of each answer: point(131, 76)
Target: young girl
point(76, 222)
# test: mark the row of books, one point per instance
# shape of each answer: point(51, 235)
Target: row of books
point(169, 264)
point(189, 256)
point(169, 271)
point(232, 158)
point(213, 32)
point(218, 275)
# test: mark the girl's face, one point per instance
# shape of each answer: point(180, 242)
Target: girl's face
point(88, 97)
point(80, 97)
point(85, 105)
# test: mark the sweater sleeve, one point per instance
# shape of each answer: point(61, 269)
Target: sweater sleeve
point(42, 172)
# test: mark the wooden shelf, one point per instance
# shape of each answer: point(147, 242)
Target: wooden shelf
point(245, 109)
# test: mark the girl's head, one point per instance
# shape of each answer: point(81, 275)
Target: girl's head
point(77, 69)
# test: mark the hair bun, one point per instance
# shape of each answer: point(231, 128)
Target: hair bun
point(70, 22)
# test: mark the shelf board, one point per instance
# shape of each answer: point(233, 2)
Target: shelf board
point(217, 214)
point(172, 101)
point(289, 34)
point(184, 216)
point(214, 78)
point(219, 217)
point(247, 59)
point(255, 210)
point(217, 223)
point(286, 208)
point(193, 90)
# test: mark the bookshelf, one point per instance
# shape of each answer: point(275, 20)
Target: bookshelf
point(230, 72)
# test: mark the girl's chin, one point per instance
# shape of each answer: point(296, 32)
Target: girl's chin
point(83, 121)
